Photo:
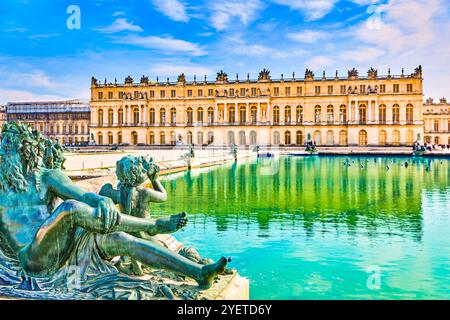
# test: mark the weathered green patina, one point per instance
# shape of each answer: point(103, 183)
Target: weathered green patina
point(48, 225)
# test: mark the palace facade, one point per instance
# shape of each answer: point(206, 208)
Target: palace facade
point(369, 110)
point(437, 121)
point(65, 121)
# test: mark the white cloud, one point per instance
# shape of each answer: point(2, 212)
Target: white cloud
point(120, 25)
point(366, 2)
point(307, 36)
point(166, 45)
point(224, 12)
point(361, 54)
point(174, 69)
point(319, 63)
point(311, 9)
point(7, 95)
point(173, 9)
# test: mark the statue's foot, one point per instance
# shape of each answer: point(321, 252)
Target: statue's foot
point(171, 224)
point(210, 271)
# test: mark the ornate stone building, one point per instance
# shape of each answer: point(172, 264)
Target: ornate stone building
point(2, 115)
point(352, 110)
point(65, 121)
point(437, 121)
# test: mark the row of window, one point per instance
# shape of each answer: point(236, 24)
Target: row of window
point(242, 139)
point(253, 92)
point(436, 125)
point(61, 129)
point(288, 113)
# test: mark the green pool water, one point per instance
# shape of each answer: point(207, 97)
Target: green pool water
point(313, 228)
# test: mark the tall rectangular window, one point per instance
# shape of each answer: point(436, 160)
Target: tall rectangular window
point(162, 94)
point(200, 93)
point(189, 93)
point(110, 95)
point(100, 96)
point(383, 88)
point(330, 89)
point(362, 88)
point(276, 92)
point(299, 91)
point(409, 87)
point(173, 93)
point(396, 88)
point(343, 89)
point(210, 92)
point(287, 91)
point(152, 94)
point(317, 90)
point(253, 92)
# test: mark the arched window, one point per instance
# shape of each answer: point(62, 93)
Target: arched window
point(287, 138)
point(343, 138)
point(135, 116)
point(409, 113)
point(363, 138)
point(242, 114)
point(200, 115)
point(330, 114)
point(253, 138)
point(330, 137)
point(99, 138)
point(396, 138)
point(276, 138)
point(189, 138)
point(162, 116)
point(382, 138)
point(343, 113)
point(110, 138)
point(162, 138)
point(190, 116)
point(210, 137)
point(317, 112)
point(232, 114)
point(299, 138)
point(152, 116)
point(173, 138)
point(230, 138)
point(211, 115)
point(382, 113)
point(134, 138)
point(100, 117)
point(362, 113)
point(299, 114)
point(119, 138)
point(254, 114)
point(110, 117)
point(318, 137)
point(409, 137)
point(437, 140)
point(276, 115)
point(173, 116)
point(200, 138)
point(120, 117)
point(287, 115)
point(396, 113)
point(242, 139)
point(151, 138)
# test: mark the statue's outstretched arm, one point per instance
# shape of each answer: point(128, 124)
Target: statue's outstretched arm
point(63, 187)
point(157, 194)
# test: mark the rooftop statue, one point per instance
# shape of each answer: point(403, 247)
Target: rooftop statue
point(222, 77)
point(49, 225)
point(181, 78)
point(264, 75)
point(309, 75)
point(353, 74)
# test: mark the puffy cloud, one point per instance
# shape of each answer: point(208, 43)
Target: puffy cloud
point(173, 9)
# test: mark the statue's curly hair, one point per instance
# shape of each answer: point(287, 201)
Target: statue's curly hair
point(132, 171)
point(22, 151)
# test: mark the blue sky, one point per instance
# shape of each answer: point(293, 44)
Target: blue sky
point(41, 58)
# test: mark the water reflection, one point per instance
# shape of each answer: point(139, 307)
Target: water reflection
point(316, 193)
